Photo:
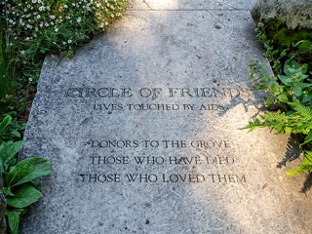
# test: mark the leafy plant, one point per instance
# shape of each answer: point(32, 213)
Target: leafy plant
point(274, 55)
point(289, 89)
point(19, 178)
point(3, 81)
point(7, 69)
point(14, 130)
point(30, 29)
point(281, 44)
point(297, 121)
point(291, 95)
point(294, 85)
point(40, 27)
point(306, 165)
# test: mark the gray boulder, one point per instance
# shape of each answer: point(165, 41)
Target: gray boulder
point(296, 14)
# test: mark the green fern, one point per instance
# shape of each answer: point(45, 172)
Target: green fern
point(307, 139)
point(299, 120)
point(253, 124)
point(304, 111)
point(306, 165)
point(273, 120)
point(296, 121)
point(290, 92)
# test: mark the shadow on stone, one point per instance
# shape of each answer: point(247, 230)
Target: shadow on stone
point(307, 185)
point(258, 103)
point(292, 152)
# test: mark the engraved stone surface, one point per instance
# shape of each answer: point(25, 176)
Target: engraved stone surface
point(142, 128)
point(192, 4)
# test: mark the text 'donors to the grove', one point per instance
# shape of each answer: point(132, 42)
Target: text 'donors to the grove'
point(152, 143)
point(205, 154)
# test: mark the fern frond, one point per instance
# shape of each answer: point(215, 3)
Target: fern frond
point(306, 165)
point(298, 121)
point(274, 117)
point(307, 139)
point(301, 119)
point(275, 120)
point(304, 111)
point(253, 124)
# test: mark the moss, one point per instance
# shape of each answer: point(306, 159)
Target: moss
point(288, 39)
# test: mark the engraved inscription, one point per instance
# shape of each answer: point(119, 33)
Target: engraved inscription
point(165, 178)
point(203, 155)
point(214, 94)
point(207, 92)
point(103, 157)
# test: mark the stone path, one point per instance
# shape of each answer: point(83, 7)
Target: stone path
point(142, 128)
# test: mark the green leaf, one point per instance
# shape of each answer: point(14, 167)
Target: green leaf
point(306, 98)
point(24, 196)
point(297, 90)
point(285, 79)
point(13, 217)
point(5, 122)
point(290, 67)
point(305, 85)
point(27, 170)
point(304, 68)
point(283, 97)
point(306, 165)
point(300, 169)
point(8, 151)
point(16, 133)
point(253, 124)
point(7, 191)
point(307, 139)
point(299, 42)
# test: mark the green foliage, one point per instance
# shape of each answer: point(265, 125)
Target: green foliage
point(306, 165)
point(290, 93)
point(7, 65)
point(281, 44)
point(14, 130)
point(30, 29)
point(297, 121)
point(273, 54)
point(293, 86)
point(39, 27)
point(3, 80)
point(4, 123)
point(13, 219)
point(297, 43)
point(19, 178)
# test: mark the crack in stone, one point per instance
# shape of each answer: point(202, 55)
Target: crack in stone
point(147, 5)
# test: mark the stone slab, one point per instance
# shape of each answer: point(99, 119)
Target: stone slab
point(142, 128)
point(185, 5)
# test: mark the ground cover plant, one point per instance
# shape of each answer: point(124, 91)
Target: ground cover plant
point(19, 178)
point(29, 30)
point(289, 91)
